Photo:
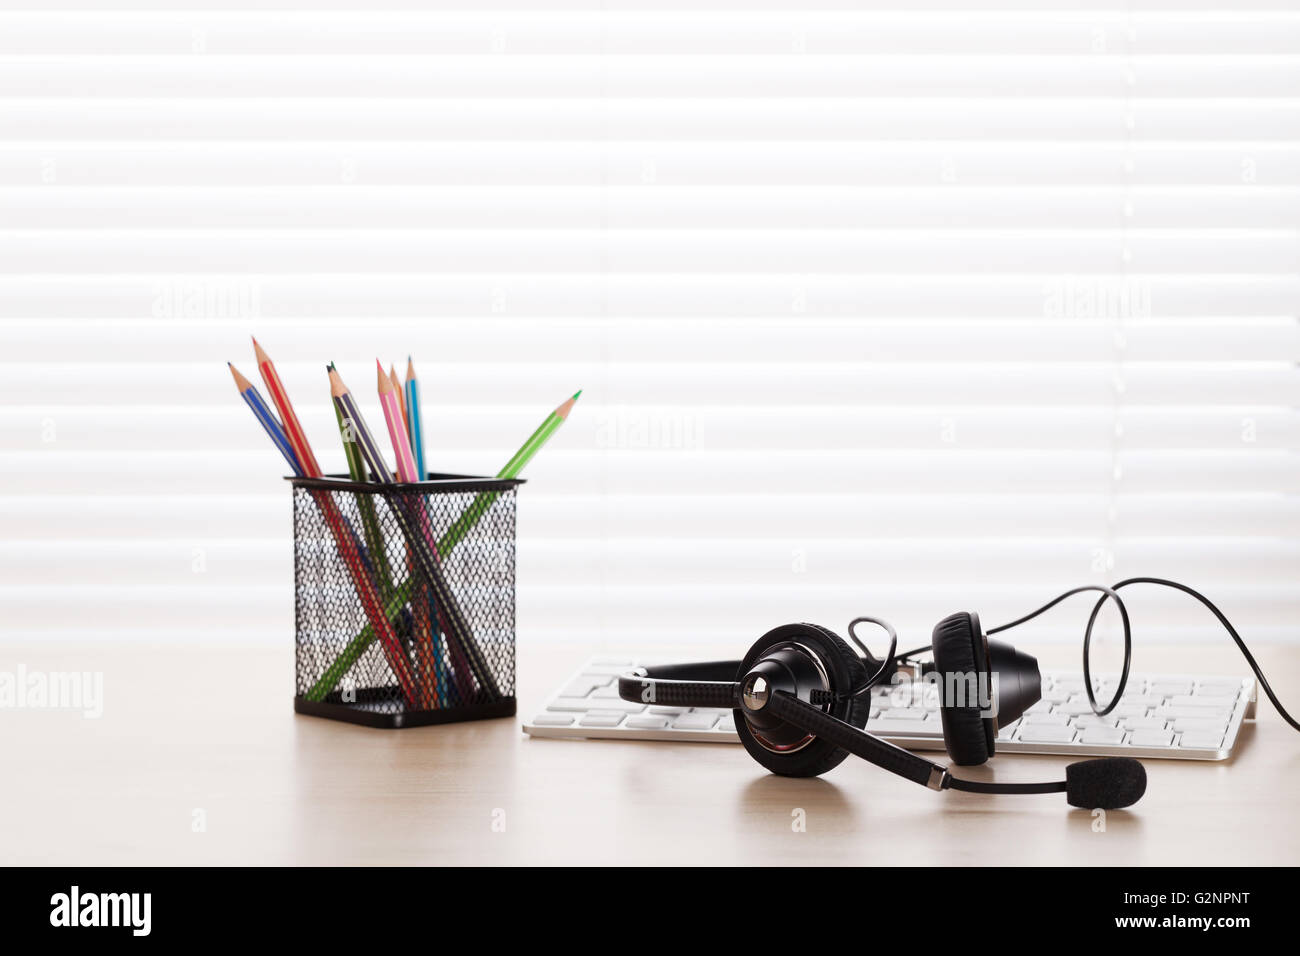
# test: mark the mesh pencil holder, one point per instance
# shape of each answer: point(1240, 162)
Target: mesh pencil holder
point(405, 599)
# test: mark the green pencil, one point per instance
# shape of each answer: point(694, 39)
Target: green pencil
point(455, 534)
point(483, 500)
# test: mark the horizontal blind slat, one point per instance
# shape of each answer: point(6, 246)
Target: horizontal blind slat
point(654, 472)
point(1109, 337)
point(857, 252)
point(57, 143)
point(73, 429)
point(480, 208)
point(741, 515)
point(648, 117)
point(991, 32)
point(979, 79)
point(247, 297)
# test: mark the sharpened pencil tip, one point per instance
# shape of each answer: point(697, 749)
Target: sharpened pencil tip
point(576, 394)
point(241, 383)
point(336, 383)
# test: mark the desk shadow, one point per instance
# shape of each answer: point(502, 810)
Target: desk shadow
point(781, 799)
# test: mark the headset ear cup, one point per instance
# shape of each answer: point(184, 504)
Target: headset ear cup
point(959, 648)
point(844, 671)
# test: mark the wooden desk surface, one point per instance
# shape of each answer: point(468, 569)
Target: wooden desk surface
point(211, 731)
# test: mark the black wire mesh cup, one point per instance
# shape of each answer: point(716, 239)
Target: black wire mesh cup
point(405, 599)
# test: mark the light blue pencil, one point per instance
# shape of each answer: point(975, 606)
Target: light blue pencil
point(415, 419)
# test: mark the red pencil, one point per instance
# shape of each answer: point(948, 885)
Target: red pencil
point(292, 427)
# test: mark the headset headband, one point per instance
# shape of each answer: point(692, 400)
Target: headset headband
point(702, 684)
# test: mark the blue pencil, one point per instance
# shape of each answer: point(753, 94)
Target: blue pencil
point(267, 418)
point(415, 421)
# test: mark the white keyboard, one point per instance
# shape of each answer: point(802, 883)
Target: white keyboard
point(1181, 716)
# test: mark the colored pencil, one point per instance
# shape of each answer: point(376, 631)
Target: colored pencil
point(267, 417)
point(401, 399)
point(396, 426)
point(454, 625)
point(292, 427)
point(474, 513)
point(415, 420)
point(350, 549)
point(483, 500)
point(414, 432)
point(539, 438)
point(369, 519)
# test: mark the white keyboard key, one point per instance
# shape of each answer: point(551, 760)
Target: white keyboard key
point(1203, 740)
point(727, 723)
point(1126, 710)
point(1219, 687)
point(553, 720)
point(1151, 738)
point(1046, 720)
point(1143, 723)
point(696, 720)
point(1171, 688)
point(1144, 701)
point(1042, 707)
point(1035, 734)
point(1196, 702)
point(1009, 731)
point(898, 714)
point(582, 686)
point(667, 710)
point(1089, 721)
point(606, 693)
point(905, 728)
point(647, 722)
point(914, 696)
point(1102, 735)
point(1193, 725)
point(1057, 695)
point(1074, 708)
point(598, 718)
point(1174, 713)
point(582, 705)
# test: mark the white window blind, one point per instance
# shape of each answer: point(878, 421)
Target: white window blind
point(890, 311)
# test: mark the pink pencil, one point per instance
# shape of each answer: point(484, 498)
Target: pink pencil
point(396, 427)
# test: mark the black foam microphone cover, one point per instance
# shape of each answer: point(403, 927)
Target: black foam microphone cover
point(1109, 783)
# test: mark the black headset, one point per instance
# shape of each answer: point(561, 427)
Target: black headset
point(801, 698)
